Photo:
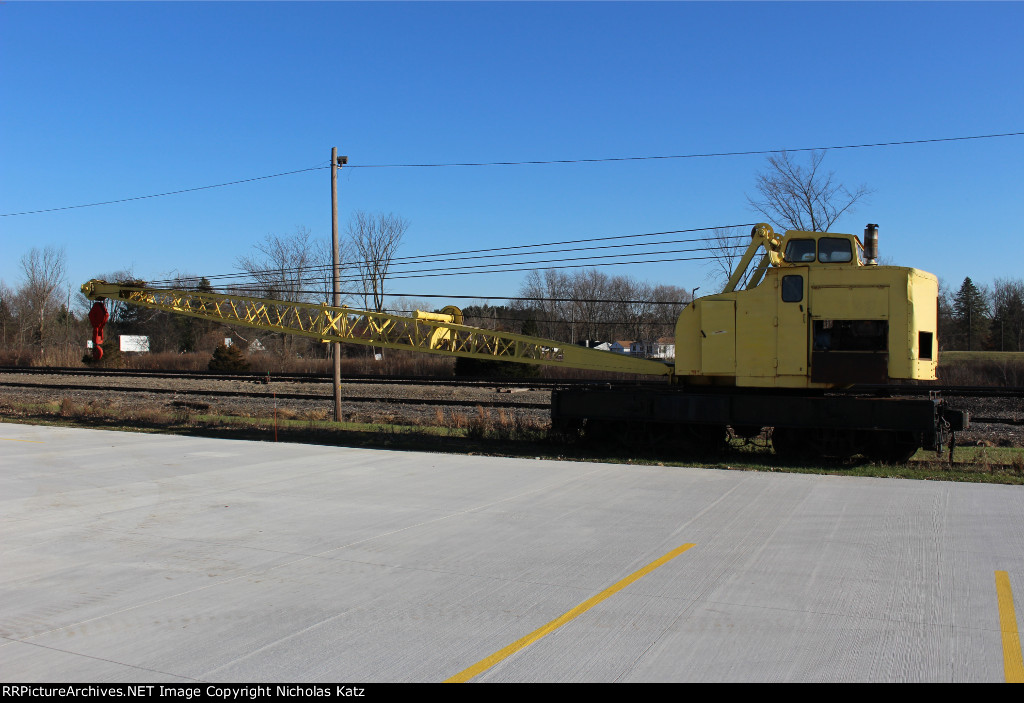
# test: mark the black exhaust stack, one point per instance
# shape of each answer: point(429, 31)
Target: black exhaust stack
point(871, 245)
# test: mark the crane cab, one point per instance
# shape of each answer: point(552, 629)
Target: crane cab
point(815, 313)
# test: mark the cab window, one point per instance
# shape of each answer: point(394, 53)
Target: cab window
point(793, 288)
point(798, 250)
point(834, 250)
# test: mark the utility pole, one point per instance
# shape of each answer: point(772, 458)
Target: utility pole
point(336, 161)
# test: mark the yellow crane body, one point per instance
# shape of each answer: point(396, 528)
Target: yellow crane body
point(814, 314)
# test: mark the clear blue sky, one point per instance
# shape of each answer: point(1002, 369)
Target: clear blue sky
point(102, 101)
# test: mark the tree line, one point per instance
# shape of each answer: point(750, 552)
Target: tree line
point(40, 314)
point(37, 313)
point(586, 305)
point(43, 321)
point(982, 318)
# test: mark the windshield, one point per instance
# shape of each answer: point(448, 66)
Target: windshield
point(800, 250)
point(833, 250)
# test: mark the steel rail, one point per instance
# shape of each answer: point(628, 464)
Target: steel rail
point(546, 383)
point(314, 377)
point(283, 396)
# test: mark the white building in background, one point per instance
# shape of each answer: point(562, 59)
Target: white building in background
point(619, 347)
point(660, 348)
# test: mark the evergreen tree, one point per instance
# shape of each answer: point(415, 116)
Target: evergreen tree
point(971, 315)
point(227, 358)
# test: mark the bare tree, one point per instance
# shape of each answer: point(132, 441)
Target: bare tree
point(946, 323)
point(292, 267)
point(289, 267)
point(588, 312)
point(1008, 314)
point(374, 239)
point(589, 305)
point(669, 303)
point(43, 272)
point(632, 307)
point(725, 246)
point(794, 197)
point(548, 290)
point(8, 314)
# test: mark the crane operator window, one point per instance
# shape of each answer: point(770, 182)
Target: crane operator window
point(792, 289)
point(800, 250)
point(833, 250)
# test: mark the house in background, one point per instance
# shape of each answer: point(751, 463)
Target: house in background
point(660, 348)
point(617, 347)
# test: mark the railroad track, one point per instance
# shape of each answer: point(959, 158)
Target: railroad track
point(302, 377)
point(299, 377)
point(539, 384)
point(280, 396)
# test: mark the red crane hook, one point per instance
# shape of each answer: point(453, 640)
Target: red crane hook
point(98, 316)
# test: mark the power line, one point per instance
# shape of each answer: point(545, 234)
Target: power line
point(451, 272)
point(160, 195)
point(305, 291)
point(538, 268)
point(502, 268)
point(427, 258)
point(491, 267)
point(690, 156)
point(528, 163)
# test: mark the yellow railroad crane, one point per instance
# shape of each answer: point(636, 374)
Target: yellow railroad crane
point(816, 315)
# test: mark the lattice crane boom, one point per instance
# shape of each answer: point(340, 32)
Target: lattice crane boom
point(433, 333)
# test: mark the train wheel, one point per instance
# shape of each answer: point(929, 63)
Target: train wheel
point(616, 436)
point(790, 444)
point(704, 439)
point(648, 437)
point(566, 431)
point(835, 444)
point(600, 433)
point(814, 444)
point(890, 447)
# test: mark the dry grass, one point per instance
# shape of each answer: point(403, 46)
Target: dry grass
point(1002, 369)
point(503, 425)
point(51, 356)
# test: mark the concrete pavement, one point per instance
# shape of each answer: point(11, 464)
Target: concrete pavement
point(135, 557)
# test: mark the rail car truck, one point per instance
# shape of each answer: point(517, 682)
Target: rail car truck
point(808, 338)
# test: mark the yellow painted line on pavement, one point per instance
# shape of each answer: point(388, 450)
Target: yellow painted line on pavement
point(34, 441)
point(502, 654)
point(1013, 661)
